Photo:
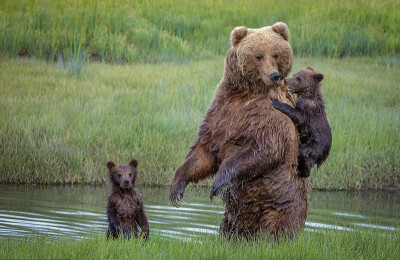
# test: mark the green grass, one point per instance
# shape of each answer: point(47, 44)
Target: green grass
point(57, 128)
point(328, 245)
point(150, 31)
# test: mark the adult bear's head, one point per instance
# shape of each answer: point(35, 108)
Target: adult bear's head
point(263, 54)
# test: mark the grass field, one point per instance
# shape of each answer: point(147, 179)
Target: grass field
point(57, 128)
point(121, 31)
point(328, 245)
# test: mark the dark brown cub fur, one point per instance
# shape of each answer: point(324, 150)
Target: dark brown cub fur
point(125, 210)
point(310, 119)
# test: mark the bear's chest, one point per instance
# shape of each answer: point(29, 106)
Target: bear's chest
point(237, 121)
point(244, 118)
point(126, 207)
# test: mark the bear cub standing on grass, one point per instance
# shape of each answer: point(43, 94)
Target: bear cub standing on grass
point(310, 119)
point(125, 210)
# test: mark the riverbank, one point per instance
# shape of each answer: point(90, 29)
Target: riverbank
point(58, 128)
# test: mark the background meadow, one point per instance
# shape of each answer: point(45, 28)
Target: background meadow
point(63, 114)
point(121, 31)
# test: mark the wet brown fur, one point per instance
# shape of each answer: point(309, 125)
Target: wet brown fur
point(125, 210)
point(250, 147)
point(309, 116)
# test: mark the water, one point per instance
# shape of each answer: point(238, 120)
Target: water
point(79, 211)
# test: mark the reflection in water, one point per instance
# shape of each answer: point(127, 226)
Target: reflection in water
point(77, 211)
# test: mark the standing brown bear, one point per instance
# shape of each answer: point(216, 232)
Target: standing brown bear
point(125, 207)
point(250, 147)
point(309, 116)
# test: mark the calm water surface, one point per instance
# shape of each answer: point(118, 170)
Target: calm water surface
point(78, 211)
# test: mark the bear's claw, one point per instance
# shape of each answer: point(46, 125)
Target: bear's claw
point(216, 188)
point(175, 199)
point(213, 193)
point(177, 191)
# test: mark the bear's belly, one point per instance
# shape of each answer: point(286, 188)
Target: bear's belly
point(273, 204)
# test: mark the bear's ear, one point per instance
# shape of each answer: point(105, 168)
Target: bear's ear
point(133, 163)
point(282, 29)
point(238, 34)
point(310, 68)
point(318, 77)
point(110, 165)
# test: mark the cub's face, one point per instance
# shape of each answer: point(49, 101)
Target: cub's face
point(263, 54)
point(123, 176)
point(303, 82)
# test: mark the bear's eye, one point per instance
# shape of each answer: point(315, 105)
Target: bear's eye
point(259, 57)
point(130, 174)
point(298, 79)
point(275, 56)
point(119, 175)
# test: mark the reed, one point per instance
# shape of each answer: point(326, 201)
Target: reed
point(120, 31)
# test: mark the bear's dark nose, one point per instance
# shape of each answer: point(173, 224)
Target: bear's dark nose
point(274, 76)
point(126, 181)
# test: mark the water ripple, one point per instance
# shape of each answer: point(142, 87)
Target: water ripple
point(374, 226)
point(321, 225)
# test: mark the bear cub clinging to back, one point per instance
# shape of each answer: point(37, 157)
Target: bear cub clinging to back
point(310, 119)
point(125, 210)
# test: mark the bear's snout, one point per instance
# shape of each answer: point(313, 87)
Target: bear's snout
point(274, 76)
point(126, 184)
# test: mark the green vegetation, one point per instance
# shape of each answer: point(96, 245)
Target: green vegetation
point(149, 31)
point(327, 245)
point(57, 128)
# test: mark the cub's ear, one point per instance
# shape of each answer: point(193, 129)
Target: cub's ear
point(310, 68)
point(237, 35)
point(282, 29)
point(133, 163)
point(110, 165)
point(318, 77)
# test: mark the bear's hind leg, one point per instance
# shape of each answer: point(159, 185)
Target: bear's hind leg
point(127, 231)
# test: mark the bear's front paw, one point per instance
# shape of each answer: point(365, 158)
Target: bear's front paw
point(276, 103)
point(218, 186)
point(176, 193)
point(303, 173)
